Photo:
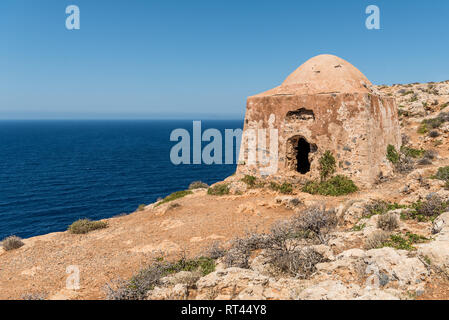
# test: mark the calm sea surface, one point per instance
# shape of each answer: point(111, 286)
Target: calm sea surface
point(55, 172)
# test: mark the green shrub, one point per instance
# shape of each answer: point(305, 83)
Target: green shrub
point(84, 226)
point(442, 174)
point(219, 190)
point(336, 186)
point(12, 243)
point(198, 185)
point(444, 105)
point(250, 180)
point(406, 242)
point(174, 196)
point(378, 207)
point(429, 209)
point(411, 152)
point(392, 154)
point(433, 123)
point(285, 188)
point(327, 165)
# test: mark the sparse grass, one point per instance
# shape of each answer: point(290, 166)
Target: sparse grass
point(444, 105)
point(83, 226)
point(327, 165)
point(198, 185)
point(284, 188)
point(141, 207)
point(219, 189)
point(336, 186)
point(174, 196)
point(12, 243)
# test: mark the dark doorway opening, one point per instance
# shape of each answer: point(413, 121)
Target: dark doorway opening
point(302, 156)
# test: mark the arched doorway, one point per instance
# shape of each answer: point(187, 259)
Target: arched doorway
point(302, 156)
point(298, 151)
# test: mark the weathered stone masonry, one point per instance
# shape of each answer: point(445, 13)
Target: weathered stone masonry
point(326, 104)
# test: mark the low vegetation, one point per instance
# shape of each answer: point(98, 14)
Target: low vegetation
point(427, 210)
point(402, 162)
point(285, 188)
point(411, 152)
point(12, 243)
point(249, 180)
point(404, 242)
point(141, 207)
point(198, 185)
point(286, 244)
point(174, 196)
point(327, 165)
point(330, 186)
point(336, 186)
point(433, 123)
point(388, 222)
point(376, 207)
point(218, 189)
point(138, 286)
point(84, 226)
point(442, 174)
point(380, 239)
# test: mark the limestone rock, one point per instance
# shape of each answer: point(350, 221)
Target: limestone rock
point(438, 250)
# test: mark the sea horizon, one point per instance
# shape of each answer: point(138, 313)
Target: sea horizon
point(53, 172)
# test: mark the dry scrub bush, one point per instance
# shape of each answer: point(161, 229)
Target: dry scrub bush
point(34, 296)
point(198, 185)
point(317, 221)
point(300, 263)
point(12, 243)
point(139, 285)
point(282, 246)
point(84, 226)
point(376, 239)
point(215, 251)
point(388, 222)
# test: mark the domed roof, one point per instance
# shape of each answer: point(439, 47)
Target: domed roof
point(323, 74)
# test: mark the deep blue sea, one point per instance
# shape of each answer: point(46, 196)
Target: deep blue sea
point(55, 172)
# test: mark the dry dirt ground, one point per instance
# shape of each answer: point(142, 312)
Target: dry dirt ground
point(133, 241)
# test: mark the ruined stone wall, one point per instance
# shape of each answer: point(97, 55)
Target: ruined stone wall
point(356, 128)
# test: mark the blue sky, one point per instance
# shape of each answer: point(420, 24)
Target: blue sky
point(142, 58)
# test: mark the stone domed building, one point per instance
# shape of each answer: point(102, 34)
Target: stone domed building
point(326, 104)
